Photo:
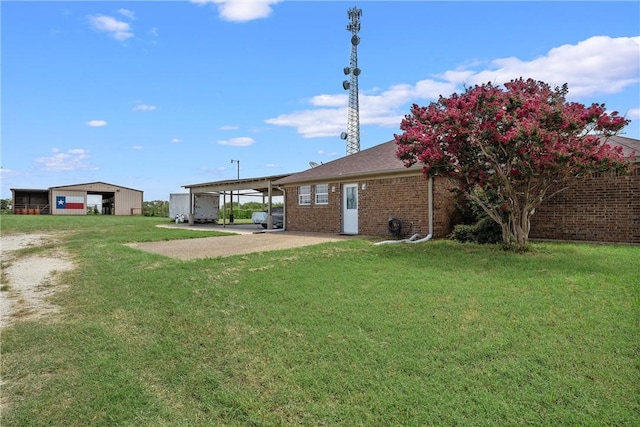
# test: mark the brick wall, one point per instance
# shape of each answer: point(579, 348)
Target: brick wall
point(402, 197)
point(601, 208)
point(316, 218)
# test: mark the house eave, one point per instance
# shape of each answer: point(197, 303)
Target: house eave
point(344, 177)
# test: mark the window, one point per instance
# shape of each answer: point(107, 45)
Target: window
point(304, 195)
point(322, 194)
point(352, 197)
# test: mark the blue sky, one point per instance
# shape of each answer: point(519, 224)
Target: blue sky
point(157, 95)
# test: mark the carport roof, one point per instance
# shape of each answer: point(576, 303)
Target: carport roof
point(259, 184)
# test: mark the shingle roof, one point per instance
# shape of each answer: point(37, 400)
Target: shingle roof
point(381, 159)
point(629, 145)
point(376, 160)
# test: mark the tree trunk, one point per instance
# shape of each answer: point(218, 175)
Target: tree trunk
point(516, 230)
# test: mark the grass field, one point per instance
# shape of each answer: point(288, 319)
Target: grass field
point(338, 334)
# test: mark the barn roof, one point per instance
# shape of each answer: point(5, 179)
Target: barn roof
point(88, 185)
point(96, 183)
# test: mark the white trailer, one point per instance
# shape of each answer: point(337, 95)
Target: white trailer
point(205, 207)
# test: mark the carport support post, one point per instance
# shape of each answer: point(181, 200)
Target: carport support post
point(224, 210)
point(191, 201)
point(231, 211)
point(270, 216)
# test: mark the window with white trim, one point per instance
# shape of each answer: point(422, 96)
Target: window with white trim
point(322, 194)
point(304, 195)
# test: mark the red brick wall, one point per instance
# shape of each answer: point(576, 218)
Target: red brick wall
point(402, 197)
point(316, 218)
point(601, 208)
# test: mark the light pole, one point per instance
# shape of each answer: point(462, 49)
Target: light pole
point(231, 214)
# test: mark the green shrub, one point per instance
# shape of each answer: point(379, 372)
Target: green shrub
point(464, 233)
point(488, 231)
point(485, 231)
point(476, 226)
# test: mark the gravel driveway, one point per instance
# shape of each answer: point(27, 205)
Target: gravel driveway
point(235, 244)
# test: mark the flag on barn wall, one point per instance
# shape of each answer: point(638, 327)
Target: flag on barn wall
point(69, 202)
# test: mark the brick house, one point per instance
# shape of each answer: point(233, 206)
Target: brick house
point(602, 207)
point(359, 193)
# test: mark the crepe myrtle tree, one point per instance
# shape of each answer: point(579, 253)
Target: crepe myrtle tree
point(511, 146)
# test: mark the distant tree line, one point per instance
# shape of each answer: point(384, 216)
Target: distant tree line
point(5, 206)
point(160, 208)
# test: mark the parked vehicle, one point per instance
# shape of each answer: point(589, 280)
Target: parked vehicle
point(259, 217)
point(205, 207)
point(263, 217)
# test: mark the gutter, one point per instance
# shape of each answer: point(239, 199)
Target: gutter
point(341, 177)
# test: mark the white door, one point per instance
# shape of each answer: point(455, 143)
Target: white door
point(350, 209)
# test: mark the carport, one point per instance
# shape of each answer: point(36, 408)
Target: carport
point(261, 186)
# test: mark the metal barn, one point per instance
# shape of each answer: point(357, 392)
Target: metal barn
point(73, 200)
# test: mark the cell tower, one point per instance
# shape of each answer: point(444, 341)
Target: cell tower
point(352, 135)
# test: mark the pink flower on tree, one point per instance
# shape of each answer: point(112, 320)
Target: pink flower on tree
point(509, 146)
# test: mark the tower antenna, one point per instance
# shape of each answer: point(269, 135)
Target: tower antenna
point(352, 135)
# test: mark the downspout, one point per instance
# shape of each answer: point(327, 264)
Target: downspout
point(430, 235)
point(414, 238)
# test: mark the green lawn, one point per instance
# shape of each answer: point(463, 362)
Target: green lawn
point(338, 334)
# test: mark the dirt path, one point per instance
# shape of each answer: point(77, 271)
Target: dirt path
point(224, 246)
point(27, 281)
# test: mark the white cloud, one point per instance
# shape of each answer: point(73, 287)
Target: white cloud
point(314, 123)
point(242, 141)
point(328, 154)
point(598, 65)
point(633, 114)
point(74, 159)
point(229, 127)
point(144, 107)
point(127, 13)
point(137, 147)
point(176, 141)
point(119, 30)
point(241, 10)
point(330, 100)
point(96, 123)
point(7, 172)
point(154, 32)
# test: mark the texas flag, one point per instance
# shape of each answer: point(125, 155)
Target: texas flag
point(69, 202)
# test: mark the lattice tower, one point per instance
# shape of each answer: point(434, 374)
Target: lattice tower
point(353, 116)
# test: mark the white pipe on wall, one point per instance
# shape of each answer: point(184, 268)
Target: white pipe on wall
point(414, 238)
point(430, 235)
